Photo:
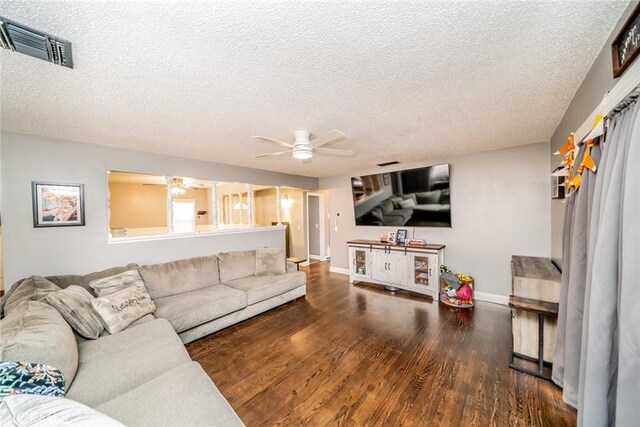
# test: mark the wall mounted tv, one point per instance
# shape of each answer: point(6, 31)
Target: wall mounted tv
point(412, 198)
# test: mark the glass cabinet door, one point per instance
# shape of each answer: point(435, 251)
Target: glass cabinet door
point(421, 270)
point(361, 265)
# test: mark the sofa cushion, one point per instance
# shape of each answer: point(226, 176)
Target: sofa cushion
point(428, 197)
point(395, 200)
point(176, 277)
point(377, 213)
point(35, 332)
point(186, 396)
point(234, 265)
point(34, 288)
point(23, 410)
point(190, 309)
point(108, 285)
point(270, 261)
point(409, 203)
point(120, 309)
point(260, 288)
point(411, 196)
point(115, 364)
point(74, 304)
point(386, 206)
point(68, 280)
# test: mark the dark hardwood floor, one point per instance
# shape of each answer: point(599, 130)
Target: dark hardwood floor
point(358, 355)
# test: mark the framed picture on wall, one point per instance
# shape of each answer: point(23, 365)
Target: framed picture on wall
point(57, 204)
point(385, 179)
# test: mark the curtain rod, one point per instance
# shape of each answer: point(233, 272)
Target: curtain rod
point(623, 87)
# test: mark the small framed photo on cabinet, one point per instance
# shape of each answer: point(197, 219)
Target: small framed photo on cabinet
point(57, 204)
point(391, 237)
point(401, 236)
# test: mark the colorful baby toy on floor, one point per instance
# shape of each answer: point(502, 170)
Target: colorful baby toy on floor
point(455, 289)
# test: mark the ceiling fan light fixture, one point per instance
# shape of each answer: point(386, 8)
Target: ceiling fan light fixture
point(302, 153)
point(177, 191)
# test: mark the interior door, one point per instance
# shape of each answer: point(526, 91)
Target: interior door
point(313, 208)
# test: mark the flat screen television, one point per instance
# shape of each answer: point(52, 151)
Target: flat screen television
point(412, 198)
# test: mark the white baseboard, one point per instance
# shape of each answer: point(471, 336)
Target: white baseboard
point(339, 270)
point(494, 298)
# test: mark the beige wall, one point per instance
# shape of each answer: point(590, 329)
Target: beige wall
point(266, 213)
point(500, 205)
point(145, 206)
point(80, 250)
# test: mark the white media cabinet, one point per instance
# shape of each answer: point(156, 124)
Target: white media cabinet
point(412, 268)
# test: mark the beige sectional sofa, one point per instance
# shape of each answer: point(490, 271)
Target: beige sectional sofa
point(143, 376)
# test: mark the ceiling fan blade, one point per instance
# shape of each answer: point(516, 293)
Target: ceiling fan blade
point(328, 138)
point(335, 152)
point(273, 141)
point(261, 156)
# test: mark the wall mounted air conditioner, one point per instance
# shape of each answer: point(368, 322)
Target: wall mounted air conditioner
point(20, 38)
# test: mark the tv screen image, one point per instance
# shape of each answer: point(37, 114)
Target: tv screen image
point(414, 197)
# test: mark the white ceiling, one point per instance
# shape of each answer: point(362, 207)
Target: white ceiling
point(404, 80)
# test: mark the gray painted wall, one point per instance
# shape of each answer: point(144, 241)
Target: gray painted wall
point(69, 250)
point(597, 82)
point(500, 203)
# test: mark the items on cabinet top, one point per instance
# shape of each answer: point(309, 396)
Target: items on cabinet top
point(431, 246)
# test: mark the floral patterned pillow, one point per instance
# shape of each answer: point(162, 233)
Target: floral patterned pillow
point(30, 378)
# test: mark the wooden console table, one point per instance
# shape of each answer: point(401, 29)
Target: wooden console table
point(535, 293)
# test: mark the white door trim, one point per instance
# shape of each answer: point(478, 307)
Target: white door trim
point(321, 225)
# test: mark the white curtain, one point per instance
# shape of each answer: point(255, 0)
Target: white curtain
point(597, 360)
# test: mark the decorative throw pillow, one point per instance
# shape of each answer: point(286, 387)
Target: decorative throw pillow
point(411, 196)
point(409, 203)
point(396, 201)
point(120, 309)
point(73, 279)
point(270, 261)
point(34, 288)
point(74, 304)
point(31, 410)
point(30, 378)
point(118, 282)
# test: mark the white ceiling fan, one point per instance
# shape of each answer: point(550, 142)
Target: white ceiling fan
point(304, 149)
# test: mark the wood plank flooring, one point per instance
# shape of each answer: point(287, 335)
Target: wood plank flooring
point(358, 355)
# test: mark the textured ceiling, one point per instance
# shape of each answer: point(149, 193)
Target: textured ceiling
point(403, 80)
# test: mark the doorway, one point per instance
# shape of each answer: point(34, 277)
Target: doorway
point(315, 227)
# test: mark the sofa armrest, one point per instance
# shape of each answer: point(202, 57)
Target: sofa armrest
point(291, 267)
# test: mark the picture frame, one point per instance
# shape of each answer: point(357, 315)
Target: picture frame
point(385, 179)
point(57, 204)
point(557, 189)
point(401, 236)
point(391, 237)
point(626, 46)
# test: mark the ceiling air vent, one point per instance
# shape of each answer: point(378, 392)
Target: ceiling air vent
point(395, 162)
point(23, 39)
